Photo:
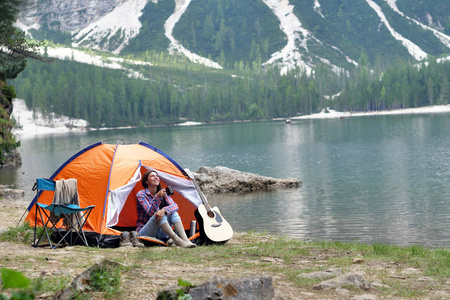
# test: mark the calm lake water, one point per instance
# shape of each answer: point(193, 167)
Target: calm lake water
point(374, 179)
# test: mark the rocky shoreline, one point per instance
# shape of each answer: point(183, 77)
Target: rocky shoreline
point(7, 192)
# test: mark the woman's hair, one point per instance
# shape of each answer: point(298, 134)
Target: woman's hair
point(144, 180)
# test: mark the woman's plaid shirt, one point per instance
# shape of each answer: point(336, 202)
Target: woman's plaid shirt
point(148, 205)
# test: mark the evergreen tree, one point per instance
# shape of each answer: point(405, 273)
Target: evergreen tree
point(445, 90)
point(14, 49)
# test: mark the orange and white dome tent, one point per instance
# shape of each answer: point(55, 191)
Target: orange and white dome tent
point(109, 176)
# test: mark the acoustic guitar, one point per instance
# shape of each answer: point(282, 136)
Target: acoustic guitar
point(212, 224)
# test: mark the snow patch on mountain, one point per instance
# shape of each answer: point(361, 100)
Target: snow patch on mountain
point(289, 56)
point(443, 59)
point(412, 48)
point(33, 123)
point(114, 30)
point(346, 57)
point(96, 60)
point(445, 39)
point(180, 8)
point(317, 8)
point(26, 28)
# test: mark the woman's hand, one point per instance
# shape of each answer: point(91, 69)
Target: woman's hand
point(160, 214)
point(161, 193)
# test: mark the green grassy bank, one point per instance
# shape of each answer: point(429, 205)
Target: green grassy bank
point(412, 272)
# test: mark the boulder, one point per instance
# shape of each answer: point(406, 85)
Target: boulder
point(225, 180)
point(257, 288)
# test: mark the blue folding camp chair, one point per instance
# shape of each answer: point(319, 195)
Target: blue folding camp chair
point(73, 217)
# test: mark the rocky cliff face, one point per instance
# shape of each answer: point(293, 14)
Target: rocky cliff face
point(12, 159)
point(65, 15)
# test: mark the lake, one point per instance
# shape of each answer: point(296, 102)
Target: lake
point(371, 179)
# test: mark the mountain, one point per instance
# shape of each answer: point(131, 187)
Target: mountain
point(227, 33)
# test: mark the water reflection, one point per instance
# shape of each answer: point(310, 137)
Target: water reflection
point(371, 179)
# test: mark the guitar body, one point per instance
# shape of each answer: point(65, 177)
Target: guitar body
point(214, 228)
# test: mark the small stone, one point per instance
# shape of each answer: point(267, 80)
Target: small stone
point(357, 260)
point(320, 257)
point(365, 297)
point(46, 296)
point(397, 277)
point(425, 278)
point(272, 260)
point(307, 294)
point(304, 262)
point(342, 291)
point(411, 271)
point(377, 284)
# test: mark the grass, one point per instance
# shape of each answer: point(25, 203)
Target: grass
point(50, 284)
point(22, 233)
point(247, 253)
point(106, 279)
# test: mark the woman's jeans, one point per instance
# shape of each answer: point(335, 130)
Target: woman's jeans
point(152, 228)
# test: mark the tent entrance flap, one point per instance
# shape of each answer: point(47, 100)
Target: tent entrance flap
point(118, 198)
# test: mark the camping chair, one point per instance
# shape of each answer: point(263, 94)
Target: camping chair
point(72, 216)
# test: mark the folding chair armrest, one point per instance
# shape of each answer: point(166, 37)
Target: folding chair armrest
point(72, 208)
point(45, 206)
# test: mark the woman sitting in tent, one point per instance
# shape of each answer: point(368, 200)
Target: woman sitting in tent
point(158, 212)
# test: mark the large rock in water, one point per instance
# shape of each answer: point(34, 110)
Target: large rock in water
point(226, 180)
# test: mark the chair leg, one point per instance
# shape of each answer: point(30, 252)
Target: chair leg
point(77, 226)
point(63, 238)
point(35, 219)
point(45, 228)
point(35, 226)
point(84, 217)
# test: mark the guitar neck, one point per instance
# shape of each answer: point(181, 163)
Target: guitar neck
point(202, 196)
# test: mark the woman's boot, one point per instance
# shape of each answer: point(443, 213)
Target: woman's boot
point(178, 241)
point(180, 230)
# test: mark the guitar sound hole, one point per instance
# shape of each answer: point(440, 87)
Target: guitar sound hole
point(210, 214)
